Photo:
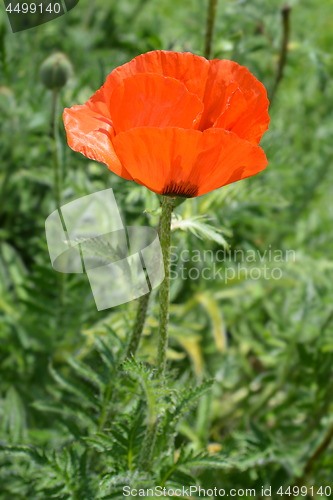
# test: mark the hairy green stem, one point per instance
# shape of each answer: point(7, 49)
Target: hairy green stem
point(138, 326)
point(140, 320)
point(148, 446)
point(164, 297)
point(151, 432)
point(210, 27)
point(167, 207)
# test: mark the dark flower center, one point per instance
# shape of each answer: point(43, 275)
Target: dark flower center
point(182, 189)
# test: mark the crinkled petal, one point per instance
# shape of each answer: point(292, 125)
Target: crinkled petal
point(90, 133)
point(234, 110)
point(152, 100)
point(187, 163)
point(99, 102)
point(185, 67)
point(220, 85)
point(255, 119)
point(212, 81)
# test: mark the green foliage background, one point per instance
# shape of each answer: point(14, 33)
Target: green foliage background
point(73, 419)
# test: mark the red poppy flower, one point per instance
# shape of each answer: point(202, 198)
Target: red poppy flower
point(175, 123)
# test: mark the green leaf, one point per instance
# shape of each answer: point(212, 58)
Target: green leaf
point(28, 452)
point(155, 211)
point(153, 388)
point(203, 459)
point(13, 417)
point(186, 399)
point(66, 410)
point(214, 311)
point(87, 373)
point(199, 226)
point(73, 387)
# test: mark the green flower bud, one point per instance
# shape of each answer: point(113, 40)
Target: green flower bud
point(55, 71)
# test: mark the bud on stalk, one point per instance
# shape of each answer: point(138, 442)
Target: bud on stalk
point(55, 71)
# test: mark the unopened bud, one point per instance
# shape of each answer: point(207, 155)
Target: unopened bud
point(55, 71)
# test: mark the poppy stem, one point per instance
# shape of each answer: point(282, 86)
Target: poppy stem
point(140, 319)
point(56, 152)
point(168, 204)
point(164, 296)
point(285, 13)
point(210, 27)
point(57, 176)
point(138, 326)
point(148, 446)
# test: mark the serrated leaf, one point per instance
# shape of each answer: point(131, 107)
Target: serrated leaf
point(203, 459)
point(65, 410)
point(153, 388)
point(105, 352)
point(198, 226)
point(86, 372)
point(25, 451)
point(188, 398)
point(74, 388)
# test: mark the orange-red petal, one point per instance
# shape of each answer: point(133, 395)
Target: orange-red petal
point(234, 110)
point(223, 73)
point(212, 81)
point(188, 68)
point(90, 133)
point(152, 100)
point(99, 102)
point(187, 162)
point(233, 98)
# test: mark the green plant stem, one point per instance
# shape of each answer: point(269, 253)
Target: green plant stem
point(210, 27)
point(138, 326)
point(140, 320)
point(56, 149)
point(167, 207)
point(285, 13)
point(57, 177)
point(150, 438)
point(164, 297)
point(148, 446)
point(107, 397)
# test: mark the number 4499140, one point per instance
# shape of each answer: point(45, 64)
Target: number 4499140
point(304, 491)
point(31, 8)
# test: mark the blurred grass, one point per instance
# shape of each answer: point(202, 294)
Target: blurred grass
point(268, 343)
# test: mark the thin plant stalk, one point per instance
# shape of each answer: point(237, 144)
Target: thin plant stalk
point(164, 296)
point(148, 445)
point(210, 28)
point(285, 16)
point(138, 325)
point(57, 176)
point(56, 149)
point(140, 320)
